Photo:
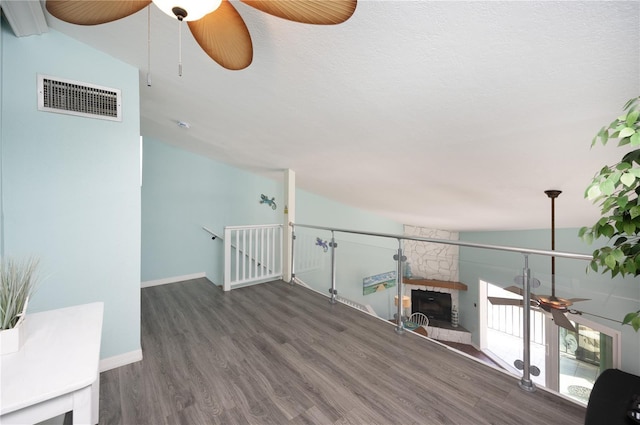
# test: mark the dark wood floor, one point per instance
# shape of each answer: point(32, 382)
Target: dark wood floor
point(281, 354)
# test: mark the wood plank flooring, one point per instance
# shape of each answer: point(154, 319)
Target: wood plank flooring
point(473, 352)
point(281, 354)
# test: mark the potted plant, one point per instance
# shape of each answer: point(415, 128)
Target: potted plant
point(615, 188)
point(17, 283)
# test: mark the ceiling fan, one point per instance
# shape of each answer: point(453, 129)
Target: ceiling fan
point(552, 304)
point(215, 24)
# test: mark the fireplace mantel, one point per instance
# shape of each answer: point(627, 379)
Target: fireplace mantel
point(435, 283)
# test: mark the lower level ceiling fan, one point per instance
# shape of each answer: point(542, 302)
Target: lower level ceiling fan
point(556, 306)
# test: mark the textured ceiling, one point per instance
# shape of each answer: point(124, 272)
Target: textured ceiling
point(452, 115)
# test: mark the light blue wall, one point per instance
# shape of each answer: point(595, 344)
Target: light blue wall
point(71, 186)
point(3, 24)
point(317, 210)
point(610, 298)
point(357, 256)
point(182, 192)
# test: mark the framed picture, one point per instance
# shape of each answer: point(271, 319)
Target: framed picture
point(378, 282)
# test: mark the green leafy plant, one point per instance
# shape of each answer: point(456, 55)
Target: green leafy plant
point(17, 282)
point(615, 188)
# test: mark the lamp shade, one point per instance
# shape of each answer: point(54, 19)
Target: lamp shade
point(195, 9)
point(406, 301)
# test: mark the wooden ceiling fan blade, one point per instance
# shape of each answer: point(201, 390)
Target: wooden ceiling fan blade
point(518, 291)
point(319, 12)
point(94, 12)
point(514, 289)
point(561, 320)
point(224, 36)
point(504, 301)
point(575, 300)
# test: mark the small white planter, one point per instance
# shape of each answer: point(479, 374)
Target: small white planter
point(11, 340)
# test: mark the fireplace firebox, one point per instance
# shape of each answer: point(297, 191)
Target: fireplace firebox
point(435, 305)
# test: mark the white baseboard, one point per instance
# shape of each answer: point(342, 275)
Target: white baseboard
point(120, 360)
point(174, 279)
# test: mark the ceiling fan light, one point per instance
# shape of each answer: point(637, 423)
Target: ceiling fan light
point(195, 9)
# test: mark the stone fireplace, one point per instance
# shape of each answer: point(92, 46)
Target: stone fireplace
point(435, 305)
point(439, 309)
point(444, 294)
point(431, 260)
point(433, 274)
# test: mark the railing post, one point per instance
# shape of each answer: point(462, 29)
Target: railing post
point(279, 242)
point(526, 383)
point(289, 217)
point(227, 259)
point(400, 259)
point(333, 290)
point(293, 253)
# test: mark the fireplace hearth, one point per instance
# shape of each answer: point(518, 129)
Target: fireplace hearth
point(435, 305)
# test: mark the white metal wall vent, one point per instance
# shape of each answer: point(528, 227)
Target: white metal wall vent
point(78, 98)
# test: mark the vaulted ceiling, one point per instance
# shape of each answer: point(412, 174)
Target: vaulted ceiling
point(443, 114)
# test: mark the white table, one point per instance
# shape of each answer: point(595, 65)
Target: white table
point(57, 368)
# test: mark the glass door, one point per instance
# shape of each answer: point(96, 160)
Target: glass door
point(569, 361)
point(502, 333)
point(583, 355)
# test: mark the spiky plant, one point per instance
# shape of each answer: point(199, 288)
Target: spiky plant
point(17, 282)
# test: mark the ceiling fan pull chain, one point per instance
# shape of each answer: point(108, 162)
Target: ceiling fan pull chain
point(180, 47)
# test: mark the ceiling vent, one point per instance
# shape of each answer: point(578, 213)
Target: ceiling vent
point(78, 98)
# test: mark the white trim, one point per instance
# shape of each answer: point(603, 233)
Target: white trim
point(483, 289)
point(504, 365)
point(120, 360)
point(25, 17)
point(226, 283)
point(141, 155)
point(304, 284)
point(476, 346)
point(365, 308)
point(552, 354)
point(174, 279)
